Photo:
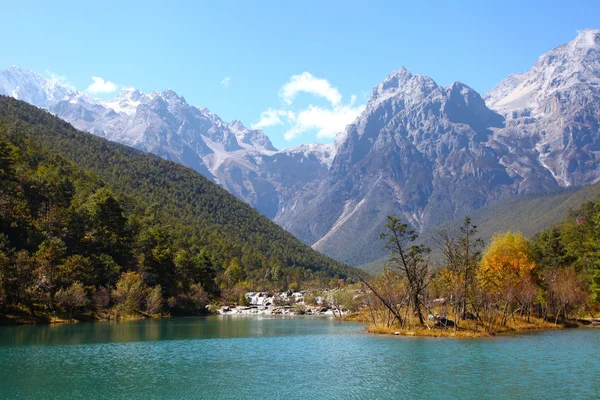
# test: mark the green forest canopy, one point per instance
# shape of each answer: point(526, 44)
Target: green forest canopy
point(76, 208)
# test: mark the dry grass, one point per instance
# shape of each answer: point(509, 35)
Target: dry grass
point(466, 329)
point(358, 316)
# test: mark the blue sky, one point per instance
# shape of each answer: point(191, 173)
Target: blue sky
point(298, 69)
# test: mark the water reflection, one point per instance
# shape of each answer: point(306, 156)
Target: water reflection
point(156, 330)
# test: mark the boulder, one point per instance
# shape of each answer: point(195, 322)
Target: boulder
point(444, 323)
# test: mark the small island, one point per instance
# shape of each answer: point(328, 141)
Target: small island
point(513, 285)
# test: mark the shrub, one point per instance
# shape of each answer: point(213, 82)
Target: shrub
point(154, 300)
point(101, 299)
point(129, 293)
point(72, 298)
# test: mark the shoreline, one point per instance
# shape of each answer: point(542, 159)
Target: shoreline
point(286, 311)
point(59, 321)
point(465, 333)
point(249, 311)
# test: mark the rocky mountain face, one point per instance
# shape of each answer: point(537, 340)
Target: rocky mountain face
point(429, 153)
point(556, 104)
point(420, 151)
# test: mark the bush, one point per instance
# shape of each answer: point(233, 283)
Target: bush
point(154, 300)
point(194, 301)
point(72, 298)
point(129, 294)
point(101, 299)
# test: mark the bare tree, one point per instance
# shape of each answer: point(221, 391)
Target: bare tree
point(407, 259)
point(385, 297)
point(462, 255)
point(384, 294)
point(565, 292)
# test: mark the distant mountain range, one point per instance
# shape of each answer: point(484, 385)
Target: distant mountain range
point(421, 151)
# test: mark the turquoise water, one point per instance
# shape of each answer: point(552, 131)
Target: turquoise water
point(288, 358)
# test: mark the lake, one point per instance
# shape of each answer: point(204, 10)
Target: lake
point(288, 358)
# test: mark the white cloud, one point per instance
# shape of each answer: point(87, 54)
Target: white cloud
point(59, 80)
point(306, 82)
point(101, 86)
point(326, 121)
point(272, 117)
point(225, 81)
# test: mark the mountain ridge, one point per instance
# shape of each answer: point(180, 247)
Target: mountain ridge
point(424, 152)
point(430, 154)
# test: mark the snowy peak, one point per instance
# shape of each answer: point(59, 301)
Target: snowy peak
point(587, 39)
point(172, 98)
point(129, 94)
point(419, 98)
point(237, 126)
point(323, 152)
point(555, 105)
point(395, 80)
point(80, 97)
point(30, 86)
point(563, 69)
point(252, 137)
point(402, 85)
point(126, 101)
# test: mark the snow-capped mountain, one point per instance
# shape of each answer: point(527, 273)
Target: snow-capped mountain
point(31, 87)
point(421, 151)
point(556, 105)
point(573, 67)
point(236, 157)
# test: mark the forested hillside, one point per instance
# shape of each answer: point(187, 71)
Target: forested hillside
point(87, 224)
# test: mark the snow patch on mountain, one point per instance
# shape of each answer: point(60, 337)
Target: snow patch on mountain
point(324, 152)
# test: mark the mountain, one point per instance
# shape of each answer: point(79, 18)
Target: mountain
point(163, 123)
point(31, 87)
point(556, 105)
point(205, 215)
point(430, 154)
point(424, 152)
point(421, 151)
point(528, 214)
point(241, 160)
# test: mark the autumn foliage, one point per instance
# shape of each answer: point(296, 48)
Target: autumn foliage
point(507, 261)
point(510, 284)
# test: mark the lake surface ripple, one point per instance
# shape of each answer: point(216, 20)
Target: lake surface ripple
point(288, 358)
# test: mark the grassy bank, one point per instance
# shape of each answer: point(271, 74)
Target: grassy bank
point(465, 329)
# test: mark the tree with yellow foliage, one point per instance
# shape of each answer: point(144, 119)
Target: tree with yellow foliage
point(506, 264)
point(506, 261)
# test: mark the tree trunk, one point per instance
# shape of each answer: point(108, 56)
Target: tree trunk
point(385, 303)
point(418, 308)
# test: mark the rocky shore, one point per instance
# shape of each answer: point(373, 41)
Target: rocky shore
point(284, 303)
point(276, 310)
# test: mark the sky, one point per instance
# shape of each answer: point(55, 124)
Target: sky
point(299, 70)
